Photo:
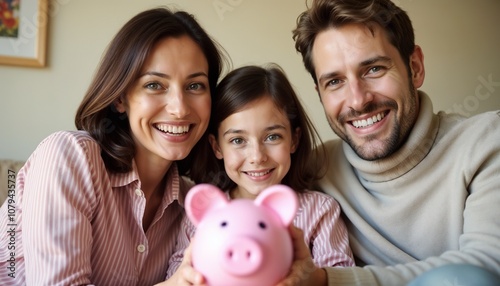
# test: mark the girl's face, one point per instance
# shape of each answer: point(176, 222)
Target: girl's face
point(255, 143)
point(169, 104)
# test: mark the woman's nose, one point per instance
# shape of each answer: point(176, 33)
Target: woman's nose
point(177, 104)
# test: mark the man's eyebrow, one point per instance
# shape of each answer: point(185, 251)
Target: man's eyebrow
point(376, 59)
point(327, 76)
point(364, 63)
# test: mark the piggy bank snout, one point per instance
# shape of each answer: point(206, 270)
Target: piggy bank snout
point(242, 256)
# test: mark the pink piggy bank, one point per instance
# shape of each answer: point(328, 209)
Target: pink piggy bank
point(242, 242)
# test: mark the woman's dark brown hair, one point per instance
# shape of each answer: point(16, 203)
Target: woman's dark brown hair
point(245, 85)
point(326, 14)
point(119, 69)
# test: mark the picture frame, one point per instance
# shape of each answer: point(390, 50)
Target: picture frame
point(23, 32)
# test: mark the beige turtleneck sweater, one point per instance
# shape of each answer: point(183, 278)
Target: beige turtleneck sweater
point(435, 201)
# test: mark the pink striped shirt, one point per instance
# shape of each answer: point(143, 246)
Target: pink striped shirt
point(76, 223)
point(318, 216)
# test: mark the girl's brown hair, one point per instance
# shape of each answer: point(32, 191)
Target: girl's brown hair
point(245, 85)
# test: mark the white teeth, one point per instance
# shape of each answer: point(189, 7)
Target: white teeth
point(173, 129)
point(367, 122)
point(258, 174)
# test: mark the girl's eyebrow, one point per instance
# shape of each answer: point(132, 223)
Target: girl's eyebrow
point(274, 127)
point(239, 131)
point(233, 131)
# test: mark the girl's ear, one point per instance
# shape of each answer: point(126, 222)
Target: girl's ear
point(120, 104)
point(215, 146)
point(295, 139)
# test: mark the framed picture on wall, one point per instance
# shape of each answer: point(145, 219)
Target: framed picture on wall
point(23, 32)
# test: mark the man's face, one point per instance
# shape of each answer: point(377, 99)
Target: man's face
point(369, 98)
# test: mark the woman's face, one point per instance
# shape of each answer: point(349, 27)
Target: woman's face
point(169, 104)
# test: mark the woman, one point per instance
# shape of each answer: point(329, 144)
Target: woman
point(102, 205)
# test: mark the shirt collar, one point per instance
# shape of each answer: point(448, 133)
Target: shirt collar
point(123, 179)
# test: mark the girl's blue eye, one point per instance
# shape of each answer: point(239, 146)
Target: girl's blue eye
point(273, 137)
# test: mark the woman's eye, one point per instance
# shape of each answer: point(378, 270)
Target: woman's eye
point(195, 86)
point(154, 86)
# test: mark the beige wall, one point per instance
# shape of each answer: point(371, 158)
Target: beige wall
point(460, 39)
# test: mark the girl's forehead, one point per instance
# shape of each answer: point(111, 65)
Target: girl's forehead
point(264, 101)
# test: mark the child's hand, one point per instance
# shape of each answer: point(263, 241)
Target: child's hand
point(185, 274)
point(303, 271)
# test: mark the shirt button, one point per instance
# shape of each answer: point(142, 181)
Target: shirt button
point(141, 248)
point(138, 192)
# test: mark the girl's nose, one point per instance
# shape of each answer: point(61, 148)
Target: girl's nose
point(257, 154)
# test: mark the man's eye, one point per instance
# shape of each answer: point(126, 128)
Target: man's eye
point(334, 82)
point(375, 69)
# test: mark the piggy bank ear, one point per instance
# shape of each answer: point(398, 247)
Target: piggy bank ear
point(202, 198)
point(282, 200)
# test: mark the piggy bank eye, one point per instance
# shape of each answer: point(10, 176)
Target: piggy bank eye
point(262, 224)
point(223, 224)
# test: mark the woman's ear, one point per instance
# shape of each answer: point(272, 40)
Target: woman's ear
point(295, 139)
point(120, 104)
point(215, 146)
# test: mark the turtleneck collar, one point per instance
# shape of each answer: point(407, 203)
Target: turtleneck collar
point(414, 150)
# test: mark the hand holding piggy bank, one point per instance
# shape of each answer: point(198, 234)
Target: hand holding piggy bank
point(242, 242)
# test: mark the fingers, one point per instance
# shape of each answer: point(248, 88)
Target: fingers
point(187, 254)
point(301, 251)
point(192, 276)
point(188, 272)
point(303, 266)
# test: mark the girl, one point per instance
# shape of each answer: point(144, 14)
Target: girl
point(261, 136)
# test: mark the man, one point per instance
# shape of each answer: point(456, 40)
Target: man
point(418, 190)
